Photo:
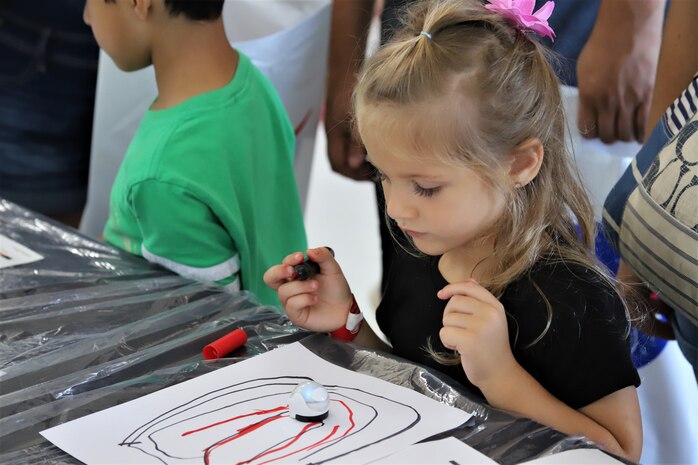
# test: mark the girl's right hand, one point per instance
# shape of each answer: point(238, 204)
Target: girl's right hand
point(321, 303)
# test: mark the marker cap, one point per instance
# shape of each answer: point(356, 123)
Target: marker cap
point(225, 345)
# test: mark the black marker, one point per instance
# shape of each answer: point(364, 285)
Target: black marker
point(308, 268)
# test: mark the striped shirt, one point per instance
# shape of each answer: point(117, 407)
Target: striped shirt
point(651, 215)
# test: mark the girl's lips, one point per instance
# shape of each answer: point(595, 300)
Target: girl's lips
point(413, 233)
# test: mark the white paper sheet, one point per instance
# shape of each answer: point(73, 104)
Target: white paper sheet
point(449, 451)
point(577, 457)
point(238, 415)
point(13, 253)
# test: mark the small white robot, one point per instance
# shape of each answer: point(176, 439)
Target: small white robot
point(309, 402)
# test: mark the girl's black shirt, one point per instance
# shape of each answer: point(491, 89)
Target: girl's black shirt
point(584, 355)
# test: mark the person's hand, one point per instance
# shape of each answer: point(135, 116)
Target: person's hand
point(616, 70)
point(475, 326)
point(321, 303)
point(349, 29)
point(347, 155)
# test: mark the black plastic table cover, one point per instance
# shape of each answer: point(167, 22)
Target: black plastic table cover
point(89, 327)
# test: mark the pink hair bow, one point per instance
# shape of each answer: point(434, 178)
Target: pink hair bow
point(520, 13)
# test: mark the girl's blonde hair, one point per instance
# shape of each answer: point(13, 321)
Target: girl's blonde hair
point(476, 56)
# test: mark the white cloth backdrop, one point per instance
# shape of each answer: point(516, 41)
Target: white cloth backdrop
point(288, 40)
point(668, 393)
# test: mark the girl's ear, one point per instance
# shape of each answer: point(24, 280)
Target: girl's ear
point(525, 161)
point(141, 8)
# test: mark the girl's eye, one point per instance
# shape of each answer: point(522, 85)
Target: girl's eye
point(424, 191)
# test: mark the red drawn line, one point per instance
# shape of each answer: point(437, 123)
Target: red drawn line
point(298, 436)
point(351, 420)
point(248, 429)
point(319, 443)
point(303, 122)
point(334, 430)
point(242, 431)
point(259, 412)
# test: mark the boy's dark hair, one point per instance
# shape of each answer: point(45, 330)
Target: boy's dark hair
point(197, 10)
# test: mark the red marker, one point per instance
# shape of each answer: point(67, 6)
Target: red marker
point(225, 345)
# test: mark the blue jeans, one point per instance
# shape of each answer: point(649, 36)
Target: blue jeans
point(686, 333)
point(48, 74)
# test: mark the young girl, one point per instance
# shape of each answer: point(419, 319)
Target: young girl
point(461, 117)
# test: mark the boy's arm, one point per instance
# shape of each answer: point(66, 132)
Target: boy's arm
point(181, 233)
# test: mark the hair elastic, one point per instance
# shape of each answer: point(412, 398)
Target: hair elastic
point(425, 34)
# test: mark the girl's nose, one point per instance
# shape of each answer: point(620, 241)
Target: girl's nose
point(398, 207)
point(86, 14)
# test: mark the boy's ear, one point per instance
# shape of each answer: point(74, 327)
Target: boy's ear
point(142, 8)
point(525, 161)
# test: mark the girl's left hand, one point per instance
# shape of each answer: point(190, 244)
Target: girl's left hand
point(475, 326)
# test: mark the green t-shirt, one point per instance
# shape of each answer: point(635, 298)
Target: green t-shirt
point(207, 187)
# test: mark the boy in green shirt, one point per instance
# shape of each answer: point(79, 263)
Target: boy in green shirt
point(207, 187)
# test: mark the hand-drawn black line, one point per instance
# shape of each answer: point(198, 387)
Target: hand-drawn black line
point(273, 387)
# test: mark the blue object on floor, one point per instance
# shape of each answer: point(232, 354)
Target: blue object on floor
point(643, 348)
